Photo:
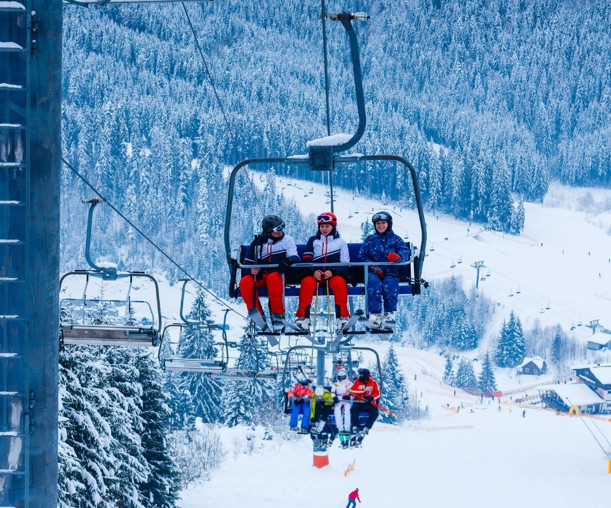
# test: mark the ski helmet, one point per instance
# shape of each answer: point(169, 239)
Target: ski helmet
point(385, 216)
point(342, 374)
point(272, 223)
point(328, 218)
point(364, 372)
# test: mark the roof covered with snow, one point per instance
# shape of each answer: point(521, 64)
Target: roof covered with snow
point(577, 394)
point(536, 360)
point(602, 373)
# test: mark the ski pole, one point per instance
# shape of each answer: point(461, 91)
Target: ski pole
point(328, 305)
point(386, 410)
point(315, 307)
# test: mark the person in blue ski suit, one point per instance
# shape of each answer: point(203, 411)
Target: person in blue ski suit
point(383, 281)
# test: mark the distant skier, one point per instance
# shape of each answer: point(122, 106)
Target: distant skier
point(274, 247)
point(353, 497)
point(383, 281)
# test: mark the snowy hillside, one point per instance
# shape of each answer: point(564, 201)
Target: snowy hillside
point(485, 453)
point(480, 456)
point(557, 271)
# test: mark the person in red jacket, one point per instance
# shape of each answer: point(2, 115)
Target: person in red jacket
point(366, 395)
point(353, 497)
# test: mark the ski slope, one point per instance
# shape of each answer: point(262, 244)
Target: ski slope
point(476, 457)
point(557, 272)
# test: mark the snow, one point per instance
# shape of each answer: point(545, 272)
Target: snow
point(12, 5)
point(603, 374)
point(578, 394)
point(467, 452)
point(476, 457)
point(536, 360)
point(334, 140)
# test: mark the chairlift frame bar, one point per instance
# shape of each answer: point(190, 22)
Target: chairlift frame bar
point(94, 334)
point(343, 348)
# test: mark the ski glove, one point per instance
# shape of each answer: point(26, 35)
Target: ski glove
point(378, 271)
point(368, 400)
point(284, 265)
point(346, 397)
point(335, 400)
point(393, 257)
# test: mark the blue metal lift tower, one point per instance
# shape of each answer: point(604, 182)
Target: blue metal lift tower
point(30, 154)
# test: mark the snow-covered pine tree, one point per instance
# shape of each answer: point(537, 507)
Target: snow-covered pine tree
point(204, 392)
point(161, 489)
point(448, 374)
point(465, 375)
point(367, 228)
point(250, 400)
point(123, 414)
point(84, 430)
point(511, 349)
point(396, 395)
point(558, 349)
point(486, 382)
point(463, 332)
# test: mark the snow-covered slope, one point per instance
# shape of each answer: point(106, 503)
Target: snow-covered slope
point(479, 456)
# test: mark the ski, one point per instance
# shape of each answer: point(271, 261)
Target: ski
point(260, 322)
point(298, 330)
point(351, 322)
point(381, 332)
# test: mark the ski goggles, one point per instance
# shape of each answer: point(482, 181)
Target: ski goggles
point(381, 216)
point(325, 218)
point(278, 228)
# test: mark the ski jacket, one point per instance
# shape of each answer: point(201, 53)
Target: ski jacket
point(377, 246)
point(326, 399)
point(340, 388)
point(267, 249)
point(361, 390)
point(300, 391)
point(322, 249)
point(354, 495)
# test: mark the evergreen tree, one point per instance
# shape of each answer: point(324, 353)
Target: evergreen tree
point(161, 489)
point(511, 348)
point(86, 435)
point(465, 375)
point(123, 415)
point(367, 228)
point(396, 395)
point(557, 349)
point(486, 382)
point(448, 374)
point(247, 401)
point(205, 393)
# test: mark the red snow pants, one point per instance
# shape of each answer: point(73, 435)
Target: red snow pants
point(338, 287)
point(275, 289)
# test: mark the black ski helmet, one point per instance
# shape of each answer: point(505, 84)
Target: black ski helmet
point(385, 216)
point(365, 372)
point(272, 223)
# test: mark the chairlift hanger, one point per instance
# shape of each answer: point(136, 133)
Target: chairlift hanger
point(324, 155)
point(124, 333)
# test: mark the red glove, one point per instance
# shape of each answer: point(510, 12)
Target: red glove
point(393, 256)
point(378, 272)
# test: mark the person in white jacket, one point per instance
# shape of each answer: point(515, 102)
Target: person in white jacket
point(343, 403)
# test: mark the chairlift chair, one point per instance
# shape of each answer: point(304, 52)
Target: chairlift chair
point(119, 321)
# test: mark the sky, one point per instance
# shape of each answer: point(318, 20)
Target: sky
point(486, 453)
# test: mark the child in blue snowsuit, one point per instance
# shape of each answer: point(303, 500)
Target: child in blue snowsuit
point(383, 281)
